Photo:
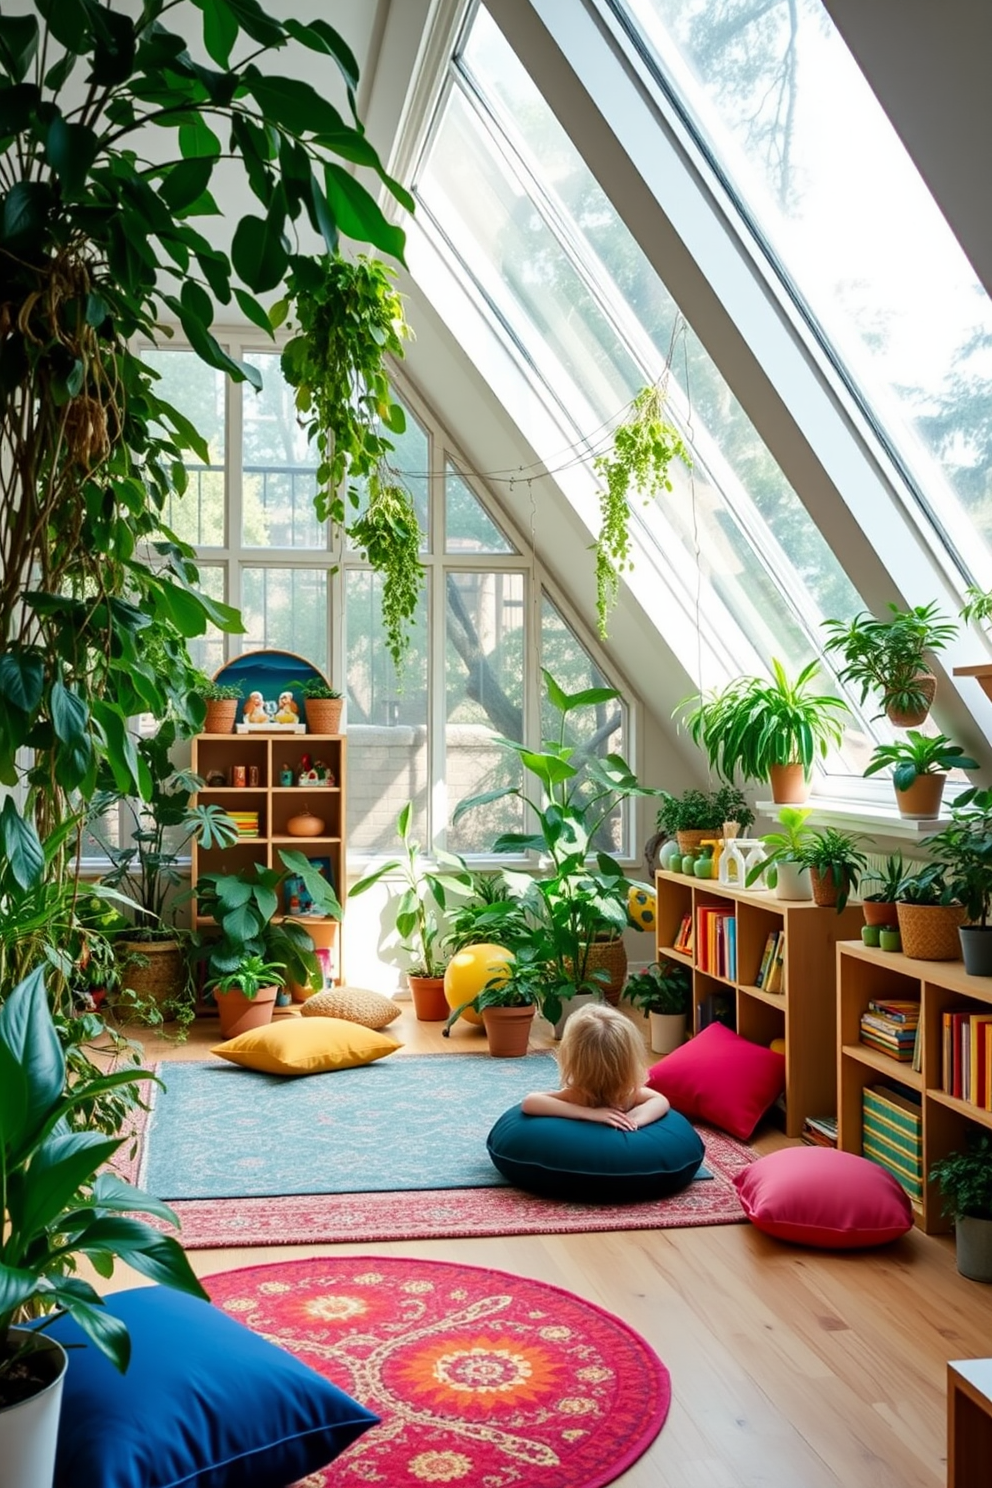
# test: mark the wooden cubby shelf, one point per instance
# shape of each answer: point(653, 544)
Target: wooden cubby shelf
point(864, 973)
point(804, 1012)
point(270, 754)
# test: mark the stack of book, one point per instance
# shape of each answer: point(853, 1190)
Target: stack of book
point(820, 1131)
point(892, 1134)
point(967, 1056)
point(892, 1027)
point(717, 939)
point(683, 941)
point(246, 822)
point(770, 972)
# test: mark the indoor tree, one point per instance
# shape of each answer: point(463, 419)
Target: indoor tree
point(99, 243)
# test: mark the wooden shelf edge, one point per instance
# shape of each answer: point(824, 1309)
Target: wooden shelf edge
point(903, 1074)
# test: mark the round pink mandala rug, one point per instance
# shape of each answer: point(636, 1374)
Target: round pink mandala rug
point(479, 1377)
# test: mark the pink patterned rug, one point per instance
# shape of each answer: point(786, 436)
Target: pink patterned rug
point(479, 1377)
point(447, 1213)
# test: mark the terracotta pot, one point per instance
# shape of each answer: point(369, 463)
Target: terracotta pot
point(921, 802)
point(221, 716)
point(305, 824)
point(912, 717)
point(878, 912)
point(429, 1001)
point(324, 934)
point(239, 1013)
point(929, 932)
point(508, 1030)
point(324, 715)
point(789, 784)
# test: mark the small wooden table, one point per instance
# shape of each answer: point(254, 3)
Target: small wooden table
point(969, 1423)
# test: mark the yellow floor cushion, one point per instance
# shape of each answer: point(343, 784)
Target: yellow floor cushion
point(312, 1046)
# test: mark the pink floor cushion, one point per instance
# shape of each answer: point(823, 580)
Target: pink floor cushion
point(816, 1196)
point(721, 1078)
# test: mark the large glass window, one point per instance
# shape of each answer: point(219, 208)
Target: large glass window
point(278, 481)
point(542, 245)
point(783, 108)
point(198, 392)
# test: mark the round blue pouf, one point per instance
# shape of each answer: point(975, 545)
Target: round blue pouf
point(592, 1163)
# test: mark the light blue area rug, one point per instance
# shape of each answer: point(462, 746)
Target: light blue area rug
point(416, 1121)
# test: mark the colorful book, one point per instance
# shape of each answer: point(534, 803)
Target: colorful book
point(776, 972)
point(978, 1086)
point(767, 956)
point(898, 1011)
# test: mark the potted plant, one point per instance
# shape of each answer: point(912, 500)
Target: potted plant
point(919, 764)
point(644, 446)
point(423, 902)
point(835, 864)
point(965, 1180)
point(323, 704)
point(964, 850)
point(244, 907)
point(148, 868)
point(784, 854)
point(518, 986)
point(889, 657)
point(663, 991)
point(696, 814)
point(768, 730)
point(880, 905)
point(929, 915)
point(246, 996)
point(59, 1203)
point(221, 701)
point(581, 897)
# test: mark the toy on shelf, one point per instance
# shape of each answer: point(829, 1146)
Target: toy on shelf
point(267, 714)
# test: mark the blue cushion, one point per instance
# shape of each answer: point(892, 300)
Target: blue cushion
point(593, 1163)
point(205, 1403)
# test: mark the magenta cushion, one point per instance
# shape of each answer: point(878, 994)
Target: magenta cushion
point(816, 1196)
point(721, 1078)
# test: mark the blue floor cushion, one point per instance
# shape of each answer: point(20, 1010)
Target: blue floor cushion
point(205, 1403)
point(592, 1163)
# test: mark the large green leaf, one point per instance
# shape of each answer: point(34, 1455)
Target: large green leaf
point(70, 714)
point(259, 253)
point(25, 208)
point(22, 677)
point(220, 30)
point(359, 215)
point(20, 846)
point(105, 1331)
point(68, 21)
point(59, 1169)
point(320, 37)
point(71, 149)
point(14, 1109)
point(149, 1251)
point(18, 45)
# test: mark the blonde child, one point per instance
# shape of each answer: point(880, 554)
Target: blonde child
point(601, 1059)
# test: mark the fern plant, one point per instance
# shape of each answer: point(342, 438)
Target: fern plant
point(644, 446)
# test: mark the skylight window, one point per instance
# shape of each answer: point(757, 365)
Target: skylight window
point(792, 124)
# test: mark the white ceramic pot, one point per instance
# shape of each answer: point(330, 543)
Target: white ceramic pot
point(667, 1031)
point(571, 1005)
point(29, 1430)
point(793, 881)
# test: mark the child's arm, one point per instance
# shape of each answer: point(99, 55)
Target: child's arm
point(650, 1105)
point(558, 1103)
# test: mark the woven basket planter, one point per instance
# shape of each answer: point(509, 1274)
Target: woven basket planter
point(824, 888)
point(694, 837)
point(324, 715)
point(609, 956)
point(912, 717)
point(221, 716)
point(930, 931)
point(155, 970)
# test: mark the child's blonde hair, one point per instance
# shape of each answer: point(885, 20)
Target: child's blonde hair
point(602, 1054)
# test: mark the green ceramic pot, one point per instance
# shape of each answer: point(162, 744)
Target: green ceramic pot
point(889, 939)
point(870, 934)
point(703, 868)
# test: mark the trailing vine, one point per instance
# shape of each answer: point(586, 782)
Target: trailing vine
point(389, 535)
point(644, 446)
point(349, 320)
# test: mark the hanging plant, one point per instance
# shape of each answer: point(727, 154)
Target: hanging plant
point(389, 535)
point(644, 446)
point(349, 319)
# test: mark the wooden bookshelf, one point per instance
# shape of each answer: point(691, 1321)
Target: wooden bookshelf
point(864, 973)
point(803, 1013)
point(270, 755)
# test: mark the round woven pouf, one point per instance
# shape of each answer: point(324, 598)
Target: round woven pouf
point(354, 1005)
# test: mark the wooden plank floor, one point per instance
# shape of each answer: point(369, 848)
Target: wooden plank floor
point(791, 1368)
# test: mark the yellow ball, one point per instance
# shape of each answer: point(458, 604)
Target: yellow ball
point(642, 907)
point(472, 969)
point(777, 1046)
